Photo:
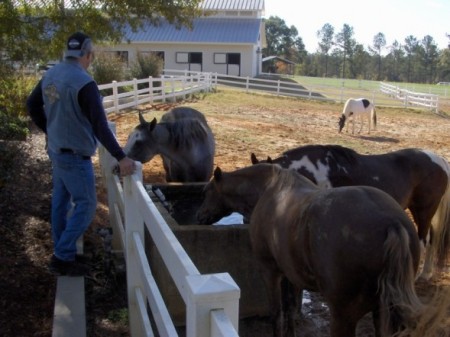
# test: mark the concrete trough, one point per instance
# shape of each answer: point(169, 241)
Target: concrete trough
point(212, 248)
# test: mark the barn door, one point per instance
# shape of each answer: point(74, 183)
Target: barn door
point(234, 64)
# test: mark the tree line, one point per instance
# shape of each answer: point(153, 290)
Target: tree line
point(34, 31)
point(340, 55)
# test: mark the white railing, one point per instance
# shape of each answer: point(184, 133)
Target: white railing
point(212, 301)
point(128, 94)
point(408, 97)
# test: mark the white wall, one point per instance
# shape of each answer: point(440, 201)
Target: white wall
point(248, 66)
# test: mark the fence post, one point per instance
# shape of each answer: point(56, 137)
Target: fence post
point(150, 88)
point(115, 96)
point(172, 90)
point(163, 88)
point(107, 162)
point(135, 87)
point(133, 223)
point(206, 293)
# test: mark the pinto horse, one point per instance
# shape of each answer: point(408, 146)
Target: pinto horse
point(182, 138)
point(354, 244)
point(358, 108)
point(417, 179)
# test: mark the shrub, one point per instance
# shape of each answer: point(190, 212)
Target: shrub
point(107, 68)
point(145, 66)
point(14, 90)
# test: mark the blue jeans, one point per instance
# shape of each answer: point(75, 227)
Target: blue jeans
point(74, 201)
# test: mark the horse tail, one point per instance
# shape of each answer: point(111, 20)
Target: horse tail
point(399, 305)
point(441, 225)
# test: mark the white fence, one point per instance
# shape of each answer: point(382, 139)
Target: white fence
point(128, 94)
point(212, 301)
point(178, 84)
point(408, 97)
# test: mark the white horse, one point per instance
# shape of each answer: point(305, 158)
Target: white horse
point(358, 108)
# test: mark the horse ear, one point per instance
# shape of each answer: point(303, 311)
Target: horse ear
point(269, 160)
point(254, 159)
point(218, 173)
point(141, 118)
point(153, 124)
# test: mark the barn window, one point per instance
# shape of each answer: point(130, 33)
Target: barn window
point(234, 58)
point(121, 55)
point(159, 54)
point(195, 58)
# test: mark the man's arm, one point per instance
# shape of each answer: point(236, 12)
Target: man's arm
point(35, 107)
point(90, 101)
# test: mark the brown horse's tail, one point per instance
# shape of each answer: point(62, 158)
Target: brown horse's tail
point(400, 307)
point(441, 227)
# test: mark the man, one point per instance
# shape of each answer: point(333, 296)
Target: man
point(67, 106)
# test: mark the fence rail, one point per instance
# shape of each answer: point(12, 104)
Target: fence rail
point(179, 84)
point(408, 97)
point(212, 301)
point(129, 94)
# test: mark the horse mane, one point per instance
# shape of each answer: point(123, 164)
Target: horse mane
point(347, 103)
point(287, 179)
point(184, 133)
point(341, 153)
point(338, 152)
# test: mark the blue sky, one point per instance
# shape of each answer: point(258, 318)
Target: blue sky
point(396, 19)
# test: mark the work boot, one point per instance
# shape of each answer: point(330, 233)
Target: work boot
point(60, 267)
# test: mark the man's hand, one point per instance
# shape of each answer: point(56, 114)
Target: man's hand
point(127, 166)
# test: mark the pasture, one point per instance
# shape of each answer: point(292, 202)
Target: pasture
point(266, 125)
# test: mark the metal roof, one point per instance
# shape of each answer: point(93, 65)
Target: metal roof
point(223, 5)
point(205, 30)
point(268, 58)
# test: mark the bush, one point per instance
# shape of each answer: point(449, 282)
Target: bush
point(14, 90)
point(145, 66)
point(107, 68)
point(13, 127)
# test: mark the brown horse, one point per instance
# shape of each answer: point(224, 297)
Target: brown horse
point(355, 245)
point(417, 179)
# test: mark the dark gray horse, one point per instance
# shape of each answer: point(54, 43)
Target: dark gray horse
point(182, 138)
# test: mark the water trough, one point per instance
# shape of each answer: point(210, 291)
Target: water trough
point(212, 248)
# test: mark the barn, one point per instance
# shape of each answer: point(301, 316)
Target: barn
point(227, 41)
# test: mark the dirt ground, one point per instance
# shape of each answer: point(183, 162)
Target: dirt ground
point(242, 123)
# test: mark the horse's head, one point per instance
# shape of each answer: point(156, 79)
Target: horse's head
point(215, 204)
point(236, 191)
point(141, 145)
point(341, 122)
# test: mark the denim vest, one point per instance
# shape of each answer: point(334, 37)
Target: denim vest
point(67, 126)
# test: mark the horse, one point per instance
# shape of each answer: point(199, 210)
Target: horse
point(419, 180)
point(360, 107)
point(182, 138)
point(354, 245)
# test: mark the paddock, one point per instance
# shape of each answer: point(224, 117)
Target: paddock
point(270, 126)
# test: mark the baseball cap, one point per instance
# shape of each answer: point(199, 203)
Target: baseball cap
point(78, 45)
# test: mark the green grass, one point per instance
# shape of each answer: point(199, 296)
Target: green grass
point(442, 90)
